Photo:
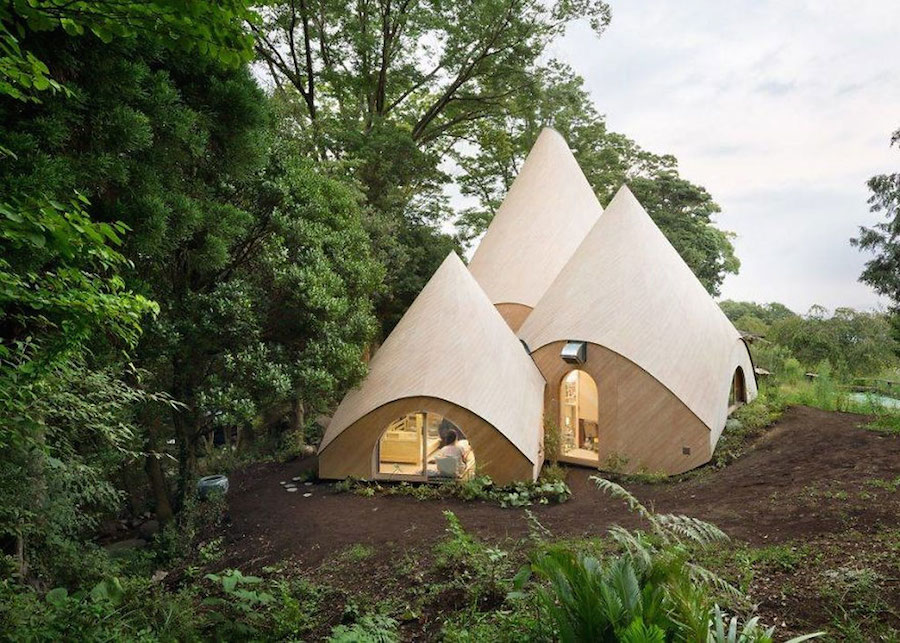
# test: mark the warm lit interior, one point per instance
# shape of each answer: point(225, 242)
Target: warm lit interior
point(417, 445)
point(580, 414)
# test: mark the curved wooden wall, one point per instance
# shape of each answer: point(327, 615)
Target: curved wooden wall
point(352, 453)
point(452, 344)
point(628, 289)
point(514, 314)
point(640, 419)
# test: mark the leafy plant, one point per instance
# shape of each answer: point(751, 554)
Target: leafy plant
point(653, 591)
point(751, 632)
point(373, 628)
point(231, 613)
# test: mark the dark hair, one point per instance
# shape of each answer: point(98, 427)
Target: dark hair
point(451, 436)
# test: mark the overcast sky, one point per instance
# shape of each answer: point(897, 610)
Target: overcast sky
point(782, 110)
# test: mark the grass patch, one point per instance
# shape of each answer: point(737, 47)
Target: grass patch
point(357, 553)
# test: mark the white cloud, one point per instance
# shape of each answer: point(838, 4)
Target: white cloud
point(781, 109)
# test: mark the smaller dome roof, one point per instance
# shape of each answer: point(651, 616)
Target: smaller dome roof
point(452, 344)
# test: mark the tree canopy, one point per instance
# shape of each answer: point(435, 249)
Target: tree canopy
point(882, 272)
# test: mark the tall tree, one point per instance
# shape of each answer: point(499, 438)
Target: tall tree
point(257, 258)
point(498, 146)
point(882, 272)
point(389, 86)
point(65, 310)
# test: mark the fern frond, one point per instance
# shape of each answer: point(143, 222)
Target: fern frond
point(699, 531)
point(635, 547)
point(703, 575)
point(536, 530)
point(634, 505)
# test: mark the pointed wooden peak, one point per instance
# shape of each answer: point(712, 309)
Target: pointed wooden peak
point(544, 217)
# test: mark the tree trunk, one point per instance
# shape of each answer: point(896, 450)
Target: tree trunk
point(298, 419)
point(20, 555)
point(155, 473)
point(185, 437)
point(184, 419)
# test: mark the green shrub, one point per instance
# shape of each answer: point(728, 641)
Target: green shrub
point(238, 605)
point(552, 440)
point(651, 591)
point(112, 610)
point(516, 494)
point(791, 371)
point(469, 566)
point(373, 628)
point(554, 473)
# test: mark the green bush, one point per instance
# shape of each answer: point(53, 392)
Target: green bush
point(373, 628)
point(517, 494)
point(651, 591)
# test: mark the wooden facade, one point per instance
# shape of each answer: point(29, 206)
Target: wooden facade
point(642, 426)
point(514, 314)
point(663, 365)
point(352, 452)
point(627, 289)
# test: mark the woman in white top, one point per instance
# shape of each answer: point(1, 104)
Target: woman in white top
point(454, 447)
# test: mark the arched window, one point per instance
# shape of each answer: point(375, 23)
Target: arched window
point(579, 415)
point(738, 393)
point(421, 446)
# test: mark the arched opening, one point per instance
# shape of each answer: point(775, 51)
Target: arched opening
point(738, 393)
point(579, 406)
point(423, 446)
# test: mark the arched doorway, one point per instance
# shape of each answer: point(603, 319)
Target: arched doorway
point(738, 393)
point(579, 408)
point(418, 446)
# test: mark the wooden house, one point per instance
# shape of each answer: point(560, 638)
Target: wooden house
point(569, 319)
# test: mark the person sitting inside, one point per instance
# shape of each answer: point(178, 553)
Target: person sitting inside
point(454, 450)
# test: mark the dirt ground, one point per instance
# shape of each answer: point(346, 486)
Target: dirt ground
point(807, 477)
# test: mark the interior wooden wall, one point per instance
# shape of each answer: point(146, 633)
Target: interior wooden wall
point(514, 314)
point(352, 453)
point(587, 399)
point(640, 419)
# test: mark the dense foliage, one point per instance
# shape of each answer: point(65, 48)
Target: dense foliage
point(851, 342)
point(883, 239)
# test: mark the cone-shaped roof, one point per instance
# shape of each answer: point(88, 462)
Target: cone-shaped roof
point(546, 214)
point(627, 288)
point(452, 344)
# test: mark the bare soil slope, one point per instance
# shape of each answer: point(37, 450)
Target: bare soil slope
point(809, 476)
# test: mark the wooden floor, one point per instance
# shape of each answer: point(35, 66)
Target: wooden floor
point(398, 468)
point(582, 454)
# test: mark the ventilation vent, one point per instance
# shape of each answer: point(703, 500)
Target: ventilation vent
point(574, 352)
point(685, 450)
